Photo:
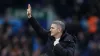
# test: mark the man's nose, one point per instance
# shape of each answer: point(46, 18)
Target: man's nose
point(50, 30)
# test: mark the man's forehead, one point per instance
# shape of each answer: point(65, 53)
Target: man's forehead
point(54, 25)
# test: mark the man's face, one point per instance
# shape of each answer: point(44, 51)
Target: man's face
point(54, 29)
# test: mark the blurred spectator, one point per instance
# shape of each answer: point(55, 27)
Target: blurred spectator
point(24, 44)
point(36, 47)
point(83, 24)
point(92, 24)
point(92, 49)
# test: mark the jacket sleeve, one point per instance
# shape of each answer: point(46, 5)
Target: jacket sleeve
point(65, 51)
point(41, 32)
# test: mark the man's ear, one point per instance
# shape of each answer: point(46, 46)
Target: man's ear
point(59, 29)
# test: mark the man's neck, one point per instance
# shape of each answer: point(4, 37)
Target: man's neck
point(58, 35)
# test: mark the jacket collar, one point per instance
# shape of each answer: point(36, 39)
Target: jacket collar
point(65, 37)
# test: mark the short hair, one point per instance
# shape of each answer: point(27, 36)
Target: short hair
point(60, 23)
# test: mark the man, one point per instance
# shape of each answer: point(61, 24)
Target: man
point(57, 41)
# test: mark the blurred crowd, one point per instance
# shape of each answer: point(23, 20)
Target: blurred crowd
point(14, 41)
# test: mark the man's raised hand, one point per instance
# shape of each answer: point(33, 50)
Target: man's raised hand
point(29, 11)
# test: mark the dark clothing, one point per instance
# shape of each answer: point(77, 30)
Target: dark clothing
point(66, 46)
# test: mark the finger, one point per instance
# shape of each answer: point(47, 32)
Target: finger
point(29, 6)
point(27, 11)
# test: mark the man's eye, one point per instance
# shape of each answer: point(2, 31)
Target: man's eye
point(52, 28)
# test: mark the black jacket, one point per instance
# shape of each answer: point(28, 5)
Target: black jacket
point(66, 46)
